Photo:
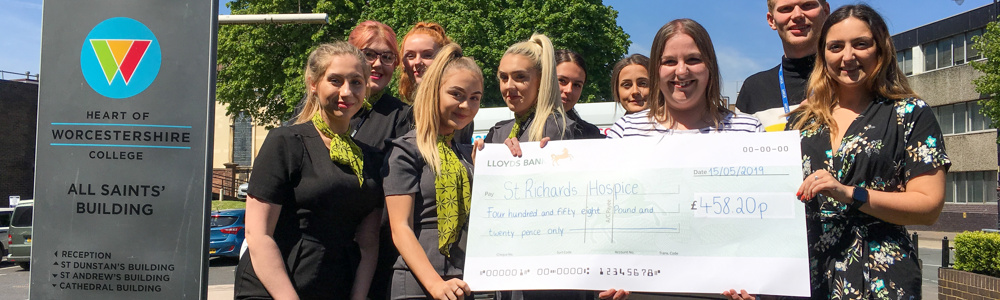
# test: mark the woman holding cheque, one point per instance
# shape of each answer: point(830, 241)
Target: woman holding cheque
point(875, 161)
point(685, 88)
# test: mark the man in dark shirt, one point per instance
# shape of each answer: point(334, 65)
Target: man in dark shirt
point(798, 23)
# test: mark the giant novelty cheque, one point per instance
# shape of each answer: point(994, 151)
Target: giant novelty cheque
point(682, 213)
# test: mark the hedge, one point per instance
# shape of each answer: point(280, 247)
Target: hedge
point(978, 252)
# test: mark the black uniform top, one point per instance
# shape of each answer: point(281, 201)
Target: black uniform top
point(388, 119)
point(583, 129)
point(760, 95)
point(405, 173)
point(321, 208)
point(499, 132)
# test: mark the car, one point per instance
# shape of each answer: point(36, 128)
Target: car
point(241, 192)
point(226, 233)
point(5, 214)
point(19, 234)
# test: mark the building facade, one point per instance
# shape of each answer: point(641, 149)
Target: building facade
point(935, 58)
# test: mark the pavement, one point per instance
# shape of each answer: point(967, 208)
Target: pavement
point(926, 240)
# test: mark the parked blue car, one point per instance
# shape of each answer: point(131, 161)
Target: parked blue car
point(227, 233)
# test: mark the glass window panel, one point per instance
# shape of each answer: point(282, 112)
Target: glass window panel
point(958, 43)
point(947, 119)
point(975, 187)
point(949, 188)
point(944, 53)
point(900, 57)
point(976, 118)
point(930, 56)
point(961, 118)
point(908, 62)
point(990, 186)
point(961, 191)
point(971, 52)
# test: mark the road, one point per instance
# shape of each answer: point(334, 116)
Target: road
point(14, 281)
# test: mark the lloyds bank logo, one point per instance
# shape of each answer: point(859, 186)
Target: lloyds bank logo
point(120, 58)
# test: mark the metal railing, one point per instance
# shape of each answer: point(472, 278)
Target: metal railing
point(5, 75)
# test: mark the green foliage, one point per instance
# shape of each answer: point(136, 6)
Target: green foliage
point(223, 205)
point(978, 252)
point(988, 45)
point(262, 64)
point(485, 28)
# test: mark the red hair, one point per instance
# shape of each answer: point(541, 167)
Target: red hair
point(408, 84)
point(368, 31)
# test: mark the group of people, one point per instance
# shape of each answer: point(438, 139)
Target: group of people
point(873, 156)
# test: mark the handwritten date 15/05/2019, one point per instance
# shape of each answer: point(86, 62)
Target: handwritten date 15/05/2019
point(613, 271)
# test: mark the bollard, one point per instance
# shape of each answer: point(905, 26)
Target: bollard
point(945, 253)
point(916, 244)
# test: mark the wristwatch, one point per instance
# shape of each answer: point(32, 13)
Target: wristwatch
point(860, 197)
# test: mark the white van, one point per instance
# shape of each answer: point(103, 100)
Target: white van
point(601, 114)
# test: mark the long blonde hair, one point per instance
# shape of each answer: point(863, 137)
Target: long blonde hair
point(319, 61)
point(407, 83)
point(425, 109)
point(714, 104)
point(539, 50)
point(887, 81)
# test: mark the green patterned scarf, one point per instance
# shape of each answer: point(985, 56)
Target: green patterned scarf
point(519, 122)
point(343, 150)
point(372, 99)
point(453, 195)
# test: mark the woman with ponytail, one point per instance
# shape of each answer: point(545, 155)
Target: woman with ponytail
point(428, 181)
point(529, 86)
point(314, 202)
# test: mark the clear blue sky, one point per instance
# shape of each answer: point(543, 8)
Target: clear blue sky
point(743, 41)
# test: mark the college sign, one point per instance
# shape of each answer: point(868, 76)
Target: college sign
point(122, 163)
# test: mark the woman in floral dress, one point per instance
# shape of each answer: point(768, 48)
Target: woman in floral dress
point(874, 161)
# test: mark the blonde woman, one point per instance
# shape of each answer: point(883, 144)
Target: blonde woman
point(313, 206)
point(529, 86)
point(428, 181)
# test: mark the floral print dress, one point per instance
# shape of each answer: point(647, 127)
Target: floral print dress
point(854, 255)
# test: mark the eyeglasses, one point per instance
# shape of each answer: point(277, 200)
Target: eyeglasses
point(388, 58)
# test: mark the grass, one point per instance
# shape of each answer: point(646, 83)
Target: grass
point(220, 205)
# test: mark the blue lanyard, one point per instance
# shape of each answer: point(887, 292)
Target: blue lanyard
point(781, 81)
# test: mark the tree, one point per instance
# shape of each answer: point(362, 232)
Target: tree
point(988, 45)
point(262, 64)
point(485, 28)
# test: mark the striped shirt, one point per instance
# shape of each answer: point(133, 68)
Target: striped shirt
point(638, 124)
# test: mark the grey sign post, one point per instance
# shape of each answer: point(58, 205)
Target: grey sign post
point(123, 157)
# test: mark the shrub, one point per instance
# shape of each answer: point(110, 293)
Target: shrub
point(978, 252)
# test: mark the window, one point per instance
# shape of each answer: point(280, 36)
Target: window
point(961, 119)
point(977, 119)
point(944, 53)
point(242, 138)
point(930, 56)
point(970, 52)
point(971, 187)
point(947, 120)
point(958, 43)
point(22, 216)
point(905, 60)
point(4, 218)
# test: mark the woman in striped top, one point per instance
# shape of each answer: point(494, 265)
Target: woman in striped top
point(685, 73)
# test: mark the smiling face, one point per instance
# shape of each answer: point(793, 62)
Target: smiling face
point(850, 52)
point(798, 23)
point(460, 91)
point(341, 88)
point(683, 74)
point(633, 88)
point(418, 53)
point(519, 81)
point(571, 79)
point(381, 72)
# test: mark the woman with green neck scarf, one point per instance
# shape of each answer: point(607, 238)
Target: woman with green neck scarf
point(384, 117)
point(313, 205)
point(529, 86)
point(428, 181)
